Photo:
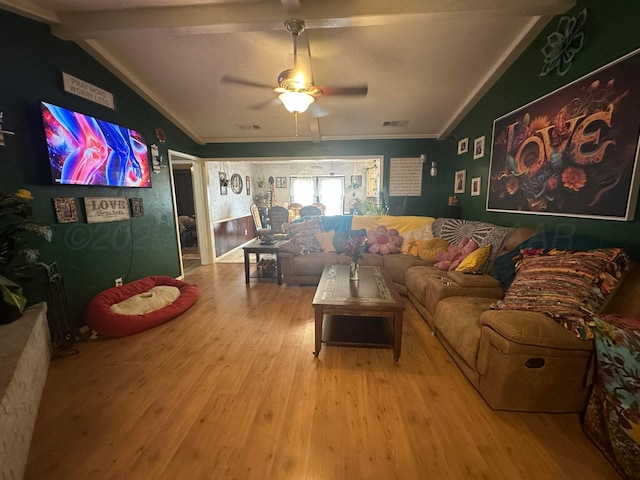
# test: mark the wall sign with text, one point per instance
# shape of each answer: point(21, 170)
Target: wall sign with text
point(106, 209)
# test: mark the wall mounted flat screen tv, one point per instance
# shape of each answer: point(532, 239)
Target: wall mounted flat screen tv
point(84, 150)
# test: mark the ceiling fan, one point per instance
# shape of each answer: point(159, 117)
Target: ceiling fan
point(296, 90)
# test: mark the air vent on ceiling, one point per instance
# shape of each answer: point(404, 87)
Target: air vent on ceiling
point(248, 126)
point(395, 123)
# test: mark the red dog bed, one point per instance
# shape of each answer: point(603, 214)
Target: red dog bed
point(100, 316)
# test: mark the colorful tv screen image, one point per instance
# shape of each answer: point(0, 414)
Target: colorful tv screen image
point(87, 151)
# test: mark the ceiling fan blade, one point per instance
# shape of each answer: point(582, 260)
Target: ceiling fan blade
point(264, 104)
point(360, 90)
point(244, 81)
point(316, 111)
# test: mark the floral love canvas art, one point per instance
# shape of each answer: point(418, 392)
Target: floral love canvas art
point(573, 152)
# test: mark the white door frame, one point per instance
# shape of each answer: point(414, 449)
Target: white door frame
point(200, 202)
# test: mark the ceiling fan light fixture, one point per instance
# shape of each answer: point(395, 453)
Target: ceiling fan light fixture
point(296, 101)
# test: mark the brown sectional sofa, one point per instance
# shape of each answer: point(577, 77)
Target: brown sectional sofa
point(517, 360)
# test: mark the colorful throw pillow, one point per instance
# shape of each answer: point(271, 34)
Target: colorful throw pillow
point(413, 246)
point(475, 260)
point(566, 285)
point(429, 249)
point(384, 240)
point(302, 233)
point(340, 238)
point(449, 259)
point(612, 416)
point(410, 247)
point(325, 239)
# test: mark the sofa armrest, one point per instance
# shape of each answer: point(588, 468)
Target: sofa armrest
point(532, 328)
point(467, 280)
point(289, 247)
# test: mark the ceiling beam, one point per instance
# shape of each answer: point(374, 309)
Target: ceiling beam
point(265, 16)
point(30, 10)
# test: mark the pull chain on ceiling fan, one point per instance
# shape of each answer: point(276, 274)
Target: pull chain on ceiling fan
point(295, 91)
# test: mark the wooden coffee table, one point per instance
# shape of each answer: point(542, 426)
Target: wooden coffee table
point(358, 312)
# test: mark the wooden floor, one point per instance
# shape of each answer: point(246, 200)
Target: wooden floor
point(231, 390)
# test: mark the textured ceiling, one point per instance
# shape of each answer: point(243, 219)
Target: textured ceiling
point(425, 63)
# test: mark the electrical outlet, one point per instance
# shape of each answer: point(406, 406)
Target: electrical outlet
point(118, 282)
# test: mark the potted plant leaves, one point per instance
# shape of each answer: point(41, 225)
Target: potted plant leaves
point(18, 260)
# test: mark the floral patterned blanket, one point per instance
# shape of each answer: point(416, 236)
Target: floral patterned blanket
point(612, 417)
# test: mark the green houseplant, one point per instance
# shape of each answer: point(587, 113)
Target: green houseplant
point(17, 258)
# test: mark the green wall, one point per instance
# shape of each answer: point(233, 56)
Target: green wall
point(611, 32)
point(90, 257)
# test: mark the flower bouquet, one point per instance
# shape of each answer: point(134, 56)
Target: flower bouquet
point(354, 247)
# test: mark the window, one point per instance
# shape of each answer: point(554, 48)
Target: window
point(331, 194)
point(328, 190)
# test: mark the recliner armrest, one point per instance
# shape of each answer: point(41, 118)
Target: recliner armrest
point(532, 328)
point(467, 280)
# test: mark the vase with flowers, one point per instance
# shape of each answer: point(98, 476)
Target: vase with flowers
point(354, 247)
point(17, 257)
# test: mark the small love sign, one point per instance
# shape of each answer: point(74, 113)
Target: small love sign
point(106, 209)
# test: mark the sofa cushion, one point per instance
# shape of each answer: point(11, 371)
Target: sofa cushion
point(566, 285)
point(430, 285)
point(466, 280)
point(340, 238)
point(457, 320)
point(313, 265)
point(397, 265)
point(368, 259)
point(325, 239)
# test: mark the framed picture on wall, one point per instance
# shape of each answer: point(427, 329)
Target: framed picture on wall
point(66, 210)
point(463, 145)
point(281, 182)
point(137, 207)
point(248, 184)
point(478, 147)
point(224, 182)
point(460, 180)
point(475, 186)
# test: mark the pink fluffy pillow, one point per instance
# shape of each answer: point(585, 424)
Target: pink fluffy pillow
point(384, 241)
point(451, 258)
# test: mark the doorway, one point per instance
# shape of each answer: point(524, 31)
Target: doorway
point(185, 207)
point(190, 200)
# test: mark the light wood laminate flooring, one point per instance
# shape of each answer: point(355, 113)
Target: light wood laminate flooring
point(231, 390)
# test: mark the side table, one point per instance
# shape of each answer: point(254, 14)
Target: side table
point(258, 248)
